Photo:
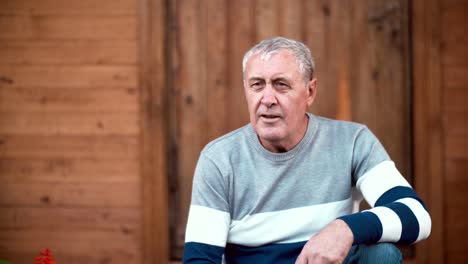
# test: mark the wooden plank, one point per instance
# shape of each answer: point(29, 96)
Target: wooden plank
point(456, 171)
point(91, 147)
point(454, 53)
point(388, 72)
point(455, 77)
point(68, 123)
point(453, 19)
point(315, 26)
point(267, 19)
point(454, 36)
point(62, 219)
point(456, 123)
point(291, 20)
point(335, 101)
point(70, 52)
point(455, 100)
point(428, 126)
point(456, 196)
point(364, 57)
point(457, 257)
point(216, 83)
point(72, 100)
point(456, 147)
point(455, 238)
point(153, 138)
point(68, 27)
point(70, 194)
point(93, 245)
point(456, 214)
point(67, 76)
point(68, 170)
point(205, 93)
point(58, 7)
point(324, 31)
point(190, 81)
point(241, 36)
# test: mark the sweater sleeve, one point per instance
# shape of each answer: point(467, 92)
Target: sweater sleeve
point(397, 215)
point(209, 217)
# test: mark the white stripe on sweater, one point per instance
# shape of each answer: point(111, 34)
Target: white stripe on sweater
point(380, 179)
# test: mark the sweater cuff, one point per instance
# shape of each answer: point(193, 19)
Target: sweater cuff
point(366, 227)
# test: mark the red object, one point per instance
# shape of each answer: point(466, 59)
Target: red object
point(45, 257)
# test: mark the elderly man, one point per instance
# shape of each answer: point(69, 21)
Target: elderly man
point(282, 189)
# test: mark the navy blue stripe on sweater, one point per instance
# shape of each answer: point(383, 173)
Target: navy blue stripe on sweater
point(200, 253)
point(286, 253)
point(410, 224)
point(367, 227)
point(397, 193)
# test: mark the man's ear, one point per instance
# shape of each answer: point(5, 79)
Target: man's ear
point(311, 91)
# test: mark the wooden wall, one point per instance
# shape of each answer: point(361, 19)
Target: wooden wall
point(454, 80)
point(69, 131)
point(441, 125)
point(79, 136)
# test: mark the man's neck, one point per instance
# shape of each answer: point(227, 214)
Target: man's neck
point(285, 146)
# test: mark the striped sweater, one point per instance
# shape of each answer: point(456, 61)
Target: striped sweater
point(255, 206)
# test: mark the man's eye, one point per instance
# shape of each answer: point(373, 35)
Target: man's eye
point(282, 85)
point(256, 85)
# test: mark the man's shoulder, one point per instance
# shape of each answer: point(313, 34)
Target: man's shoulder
point(228, 142)
point(340, 126)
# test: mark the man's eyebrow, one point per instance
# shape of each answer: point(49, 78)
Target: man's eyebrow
point(283, 79)
point(255, 79)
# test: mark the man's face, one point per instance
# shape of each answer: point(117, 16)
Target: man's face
point(278, 98)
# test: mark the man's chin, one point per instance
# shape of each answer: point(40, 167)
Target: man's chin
point(269, 135)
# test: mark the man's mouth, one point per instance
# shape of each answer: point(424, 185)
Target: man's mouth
point(269, 117)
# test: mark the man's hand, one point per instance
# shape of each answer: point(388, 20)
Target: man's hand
point(330, 245)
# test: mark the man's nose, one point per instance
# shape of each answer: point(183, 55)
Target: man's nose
point(269, 96)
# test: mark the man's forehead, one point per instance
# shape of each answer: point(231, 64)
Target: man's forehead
point(280, 64)
point(267, 56)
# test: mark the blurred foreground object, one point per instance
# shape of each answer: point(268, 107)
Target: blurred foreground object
point(45, 257)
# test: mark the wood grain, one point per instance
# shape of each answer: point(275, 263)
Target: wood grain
point(58, 7)
point(84, 99)
point(70, 52)
point(267, 19)
point(291, 19)
point(68, 170)
point(38, 27)
point(41, 76)
point(153, 138)
point(72, 124)
point(108, 147)
point(70, 194)
point(240, 38)
point(69, 131)
point(110, 219)
point(456, 146)
point(428, 126)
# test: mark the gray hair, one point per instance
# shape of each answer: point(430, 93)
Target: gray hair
point(267, 48)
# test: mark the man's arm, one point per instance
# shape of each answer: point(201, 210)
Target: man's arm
point(209, 218)
point(398, 214)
